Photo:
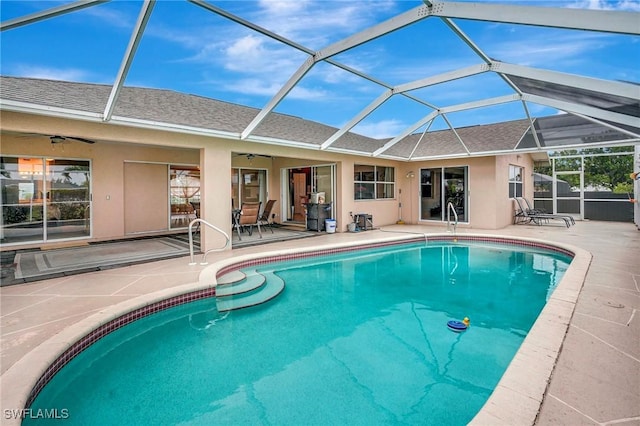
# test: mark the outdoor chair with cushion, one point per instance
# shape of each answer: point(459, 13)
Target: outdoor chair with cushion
point(533, 210)
point(523, 216)
point(266, 214)
point(248, 217)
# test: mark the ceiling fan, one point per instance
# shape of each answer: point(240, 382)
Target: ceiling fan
point(55, 139)
point(251, 156)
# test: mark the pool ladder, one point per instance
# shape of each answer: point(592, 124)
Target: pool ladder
point(451, 208)
point(215, 228)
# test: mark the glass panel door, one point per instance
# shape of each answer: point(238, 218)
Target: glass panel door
point(68, 199)
point(323, 182)
point(431, 194)
point(44, 199)
point(248, 185)
point(22, 199)
point(302, 185)
point(438, 188)
point(184, 187)
point(455, 190)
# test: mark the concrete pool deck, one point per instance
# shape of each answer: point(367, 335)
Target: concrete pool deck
point(596, 379)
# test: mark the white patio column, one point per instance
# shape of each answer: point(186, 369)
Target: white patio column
point(215, 195)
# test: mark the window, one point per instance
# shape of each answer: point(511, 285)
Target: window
point(373, 182)
point(515, 181)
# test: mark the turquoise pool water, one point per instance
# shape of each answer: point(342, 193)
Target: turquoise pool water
point(358, 338)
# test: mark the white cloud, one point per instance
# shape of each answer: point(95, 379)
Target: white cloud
point(381, 129)
point(317, 24)
point(308, 94)
point(111, 16)
point(536, 50)
point(623, 5)
point(253, 86)
point(254, 55)
point(56, 73)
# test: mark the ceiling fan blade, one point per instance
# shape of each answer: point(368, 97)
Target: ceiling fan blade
point(80, 139)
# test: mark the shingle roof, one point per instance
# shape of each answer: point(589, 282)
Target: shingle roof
point(477, 139)
point(170, 107)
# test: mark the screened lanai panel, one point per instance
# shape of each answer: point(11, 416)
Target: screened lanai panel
point(614, 103)
point(570, 130)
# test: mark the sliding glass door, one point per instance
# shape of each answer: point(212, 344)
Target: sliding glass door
point(184, 195)
point(442, 187)
point(44, 199)
point(301, 185)
point(248, 185)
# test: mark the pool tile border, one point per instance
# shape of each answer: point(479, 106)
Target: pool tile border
point(109, 327)
point(433, 240)
point(121, 320)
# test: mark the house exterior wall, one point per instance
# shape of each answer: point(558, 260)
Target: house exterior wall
point(384, 211)
point(505, 206)
point(107, 174)
point(489, 206)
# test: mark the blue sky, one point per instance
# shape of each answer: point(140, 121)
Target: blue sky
point(189, 49)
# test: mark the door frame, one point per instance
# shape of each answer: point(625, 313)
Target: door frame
point(556, 198)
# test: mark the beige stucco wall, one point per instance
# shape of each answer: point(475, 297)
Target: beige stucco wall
point(504, 214)
point(489, 205)
point(107, 161)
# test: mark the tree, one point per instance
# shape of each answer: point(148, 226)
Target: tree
point(602, 168)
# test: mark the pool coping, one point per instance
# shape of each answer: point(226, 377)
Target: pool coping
point(516, 399)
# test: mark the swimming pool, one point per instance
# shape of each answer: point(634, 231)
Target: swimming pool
point(376, 348)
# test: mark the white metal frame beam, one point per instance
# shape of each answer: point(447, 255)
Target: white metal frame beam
point(219, 11)
point(583, 110)
point(274, 36)
point(481, 103)
point(535, 134)
point(610, 126)
point(371, 33)
point(406, 133)
point(49, 13)
point(442, 78)
point(616, 88)
point(425, 82)
point(284, 90)
point(359, 117)
point(136, 36)
point(467, 40)
point(404, 19)
point(579, 19)
point(453, 108)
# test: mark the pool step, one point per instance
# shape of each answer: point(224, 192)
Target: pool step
point(256, 288)
point(241, 284)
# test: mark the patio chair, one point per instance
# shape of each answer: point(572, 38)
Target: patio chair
point(248, 217)
point(534, 210)
point(266, 214)
point(523, 216)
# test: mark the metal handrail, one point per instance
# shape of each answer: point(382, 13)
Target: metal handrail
point(451, 208)
point(204, 256)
